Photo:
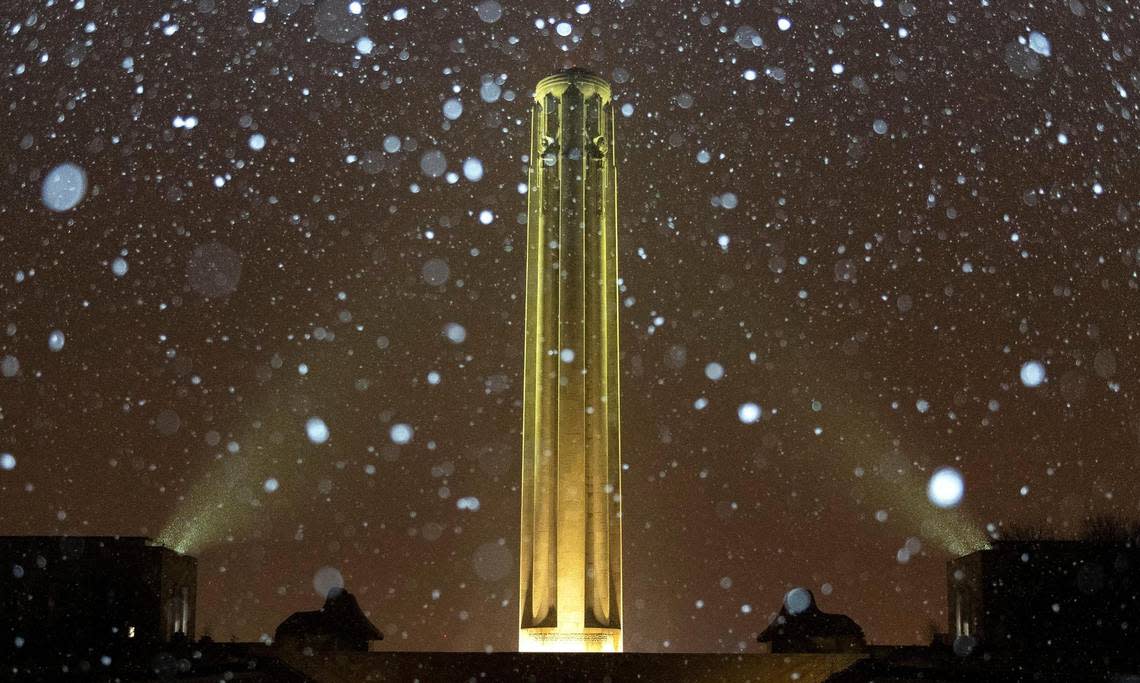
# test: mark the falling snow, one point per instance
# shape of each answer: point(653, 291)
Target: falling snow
point(878, 275)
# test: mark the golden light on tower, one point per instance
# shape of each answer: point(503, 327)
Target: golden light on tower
point(570, 559)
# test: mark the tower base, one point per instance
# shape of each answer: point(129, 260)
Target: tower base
point(555, 640)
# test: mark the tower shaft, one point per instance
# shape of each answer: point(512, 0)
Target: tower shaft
point(570, 559)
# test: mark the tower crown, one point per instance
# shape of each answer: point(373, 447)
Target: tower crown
point(587, 81)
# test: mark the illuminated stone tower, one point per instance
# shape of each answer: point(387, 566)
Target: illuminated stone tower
point(570, 559)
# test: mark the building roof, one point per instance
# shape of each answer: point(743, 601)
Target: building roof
point(64, 539)
point(809, 622)
point(340, 616)
point(78, 547)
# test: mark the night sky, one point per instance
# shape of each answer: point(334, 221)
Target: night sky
point(881, 223)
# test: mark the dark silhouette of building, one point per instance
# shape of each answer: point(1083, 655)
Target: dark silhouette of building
point(339, 625)
point(1051, 598)
point(802, 627)
point(88, 602)
point(1031, 608)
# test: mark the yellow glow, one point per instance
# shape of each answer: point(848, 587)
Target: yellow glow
point(570, 545)
point(554, 640)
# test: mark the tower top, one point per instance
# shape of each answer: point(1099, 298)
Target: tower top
point(584, 79)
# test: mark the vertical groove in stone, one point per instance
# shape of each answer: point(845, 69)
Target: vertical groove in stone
point(527, 602)
point(571, 458)
point(612, 395)
point(598, 530)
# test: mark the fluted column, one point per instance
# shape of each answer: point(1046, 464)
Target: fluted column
point(570, 559)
